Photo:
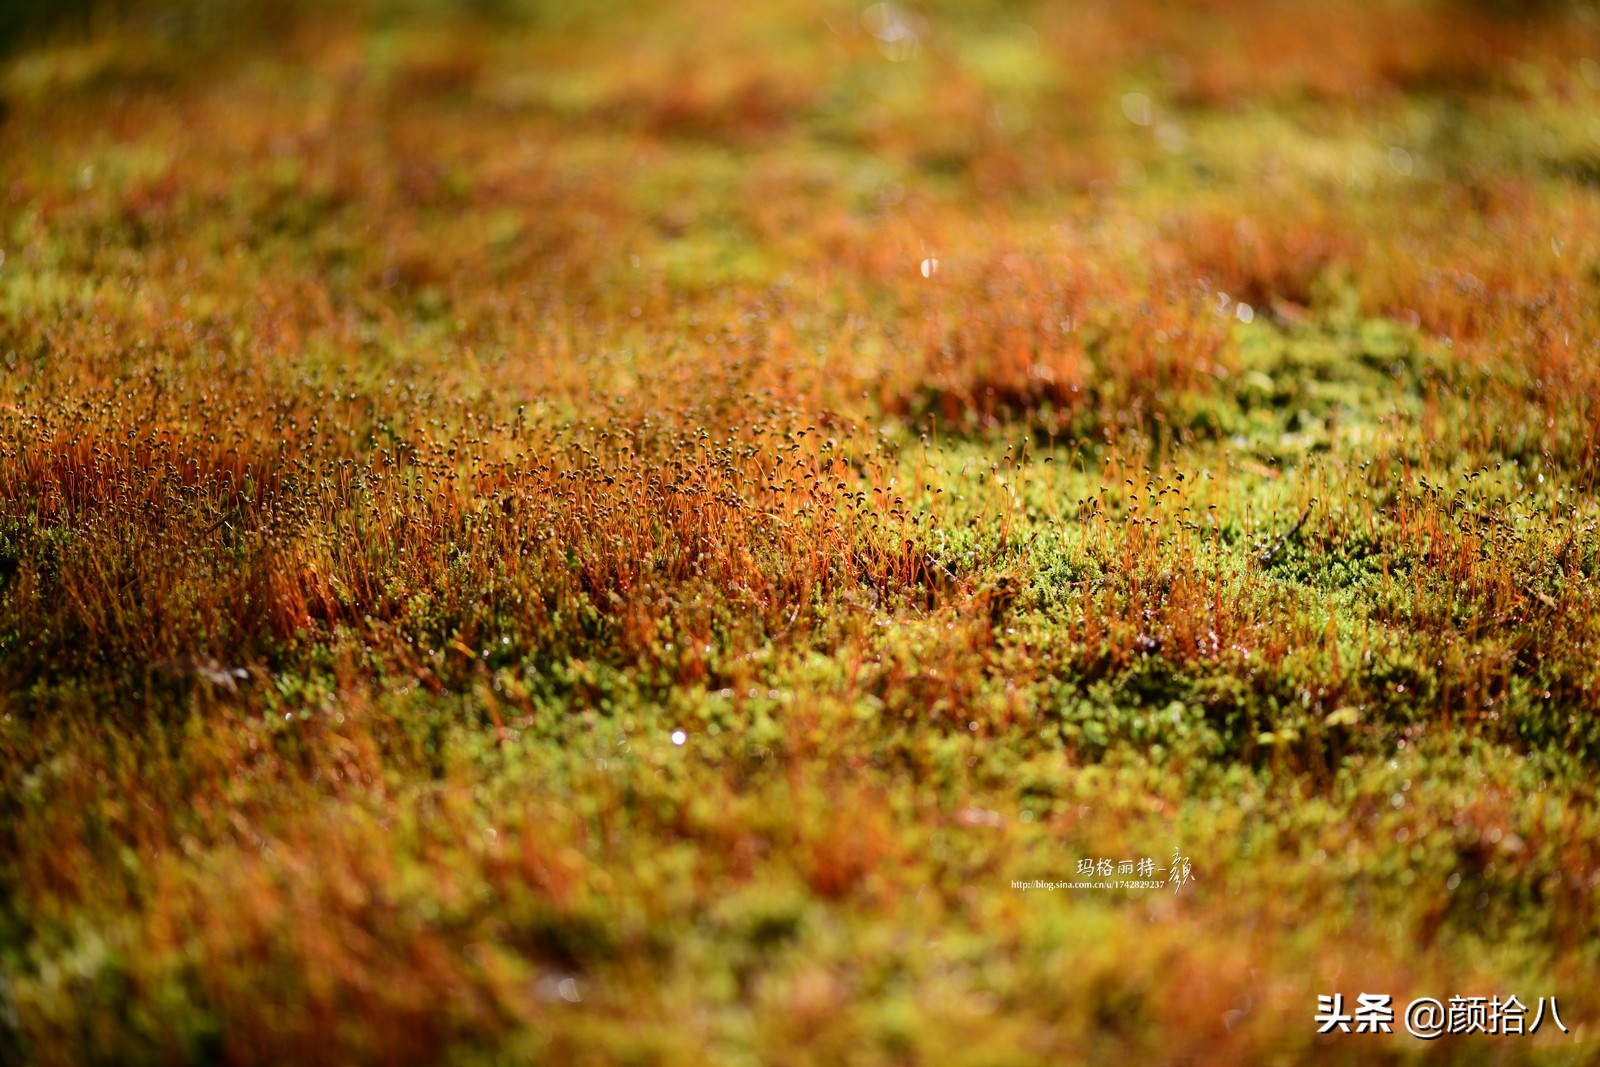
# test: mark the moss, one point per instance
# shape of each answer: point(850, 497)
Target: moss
point(626, 536)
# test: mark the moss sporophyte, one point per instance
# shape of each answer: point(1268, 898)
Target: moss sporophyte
point(672, 533)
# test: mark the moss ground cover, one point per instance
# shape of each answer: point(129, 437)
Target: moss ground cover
point(627, 533)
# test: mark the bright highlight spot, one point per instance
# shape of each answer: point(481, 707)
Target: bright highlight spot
point(1137, 107)
point(930, 267)
point(679, 737)
point(898, 30)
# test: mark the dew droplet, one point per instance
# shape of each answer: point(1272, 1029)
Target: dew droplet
point(1136, 106)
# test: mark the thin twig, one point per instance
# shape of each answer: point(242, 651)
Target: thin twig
point(1272, 553)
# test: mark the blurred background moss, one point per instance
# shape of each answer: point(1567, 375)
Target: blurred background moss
point(20, 19)
point(195, 21)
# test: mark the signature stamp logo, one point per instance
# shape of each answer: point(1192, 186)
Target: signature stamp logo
point(1105, 872)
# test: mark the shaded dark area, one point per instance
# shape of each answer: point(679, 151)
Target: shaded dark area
point(22, 20)
point(191, 22)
